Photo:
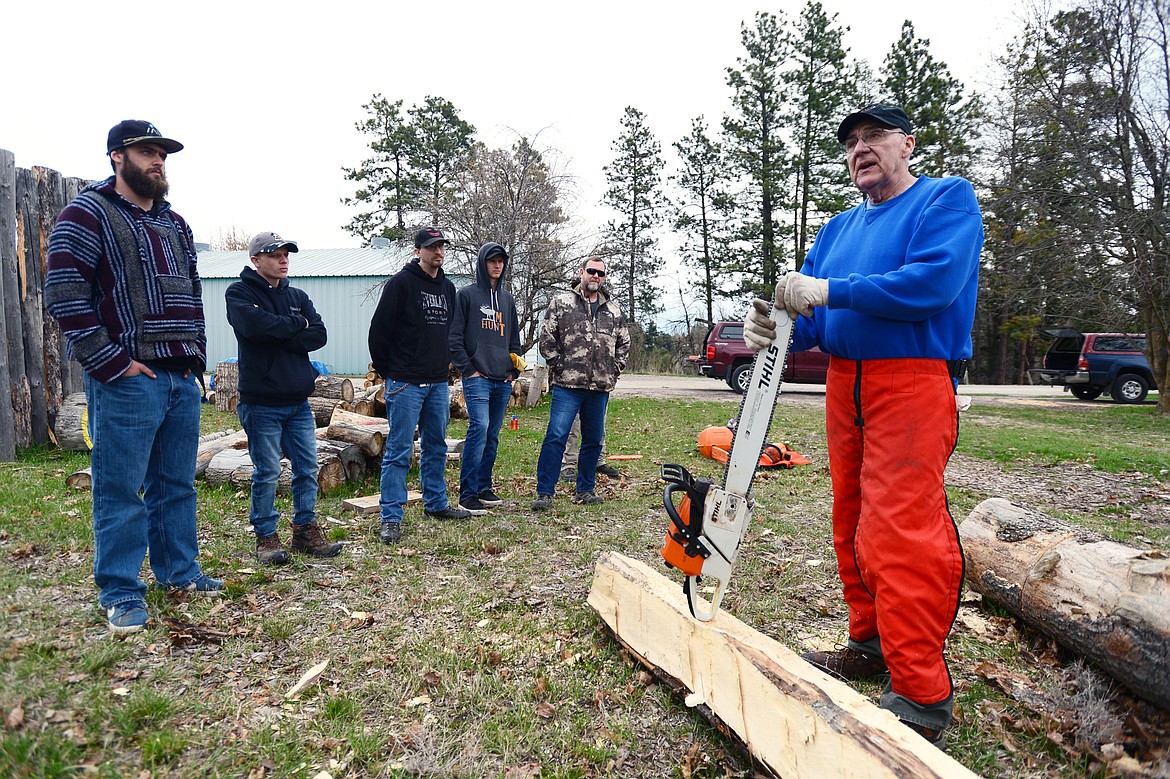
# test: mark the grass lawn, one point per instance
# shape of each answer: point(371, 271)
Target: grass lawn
point(469, 651)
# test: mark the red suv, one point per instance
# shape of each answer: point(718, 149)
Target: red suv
point(728, 358)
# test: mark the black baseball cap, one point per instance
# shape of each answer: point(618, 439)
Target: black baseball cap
point(889, 115)
point(428, 235)
point(131, 131)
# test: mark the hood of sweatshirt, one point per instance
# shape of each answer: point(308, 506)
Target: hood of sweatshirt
point(482, 280)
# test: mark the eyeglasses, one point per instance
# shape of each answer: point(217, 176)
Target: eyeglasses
point(870, 136)
point(595, 272)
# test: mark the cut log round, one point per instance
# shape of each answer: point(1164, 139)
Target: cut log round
point(72, 424)
point(323, 409)
point(336, 387)
point(351, 457)
point(536, 385)
point(80, 480)
point(1105, 601)
point(342, 416)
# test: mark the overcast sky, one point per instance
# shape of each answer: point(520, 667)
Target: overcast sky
point(265, 95)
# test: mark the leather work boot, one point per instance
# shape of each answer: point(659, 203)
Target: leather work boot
point(848, 663)
point(269, 551)
point(936, 738)
point(308, 539)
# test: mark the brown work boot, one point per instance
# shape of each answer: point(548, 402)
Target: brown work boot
point(308, 539)
point(848, 663)
point(269, 551)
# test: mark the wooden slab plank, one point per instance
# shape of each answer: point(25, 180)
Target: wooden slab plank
point(368, 504)
point(792, 717)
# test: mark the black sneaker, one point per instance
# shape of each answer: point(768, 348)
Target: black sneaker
point(542, 503)
point(391, 533)
point(473, 506)
point(490, 499)
point(450, 512)
point(608, 470)
point(569, 474)
point(587, 498)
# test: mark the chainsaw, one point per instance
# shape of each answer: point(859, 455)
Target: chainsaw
point(710, 522)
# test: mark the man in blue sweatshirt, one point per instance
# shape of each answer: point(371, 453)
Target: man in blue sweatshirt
point(484, 337)
point(409, 347)
point(276, 327)
point(888, 291)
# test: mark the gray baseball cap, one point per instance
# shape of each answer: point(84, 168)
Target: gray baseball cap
point(264, 243)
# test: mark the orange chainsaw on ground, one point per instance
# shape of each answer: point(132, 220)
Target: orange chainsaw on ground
point(709, 523)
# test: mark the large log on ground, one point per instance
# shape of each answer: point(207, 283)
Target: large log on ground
point(336, 387)
point(71, 428)
point(10, 316)
point(341, 416)
point(793, 718)
point(208, 449)
point(1103, 600)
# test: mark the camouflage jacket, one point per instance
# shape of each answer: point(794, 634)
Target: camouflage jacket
point(583, 351)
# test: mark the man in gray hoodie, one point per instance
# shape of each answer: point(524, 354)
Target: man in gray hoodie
point(484, 339)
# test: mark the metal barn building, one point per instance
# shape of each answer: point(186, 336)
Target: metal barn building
point(344, 284)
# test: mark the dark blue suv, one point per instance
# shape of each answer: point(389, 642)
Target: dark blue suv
point(1091, 364)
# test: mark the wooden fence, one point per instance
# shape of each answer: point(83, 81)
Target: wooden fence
point(35, 375)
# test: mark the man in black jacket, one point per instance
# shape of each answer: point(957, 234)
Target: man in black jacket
point(276, 327)
point(409, 349)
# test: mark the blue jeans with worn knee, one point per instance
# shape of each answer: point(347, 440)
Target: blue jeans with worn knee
point(487, 401)
point(271, 430)
point(427, 407)
point(145, 435)
point(567, 403)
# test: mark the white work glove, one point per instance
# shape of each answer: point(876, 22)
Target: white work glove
point(759, 331)
point(803, 293)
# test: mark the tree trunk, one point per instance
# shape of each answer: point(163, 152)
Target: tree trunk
point(1105, 601)
point(71, 427)
point(10, 317)
point(536, 387)
point(335, 387)
point(209, 449)
point(793, 718)
point(331, 472)
point(227, 379)
point(341, 416)
point(458, 404)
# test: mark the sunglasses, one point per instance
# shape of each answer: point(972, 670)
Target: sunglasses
point(595, 272)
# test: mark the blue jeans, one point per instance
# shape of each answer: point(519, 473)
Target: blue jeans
point(270, 430)
point(427, 407)
point(145, 434)
point(487, 401)
point(567, 403)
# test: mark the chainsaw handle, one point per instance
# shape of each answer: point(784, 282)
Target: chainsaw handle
point(671, 509)
point(701, 609)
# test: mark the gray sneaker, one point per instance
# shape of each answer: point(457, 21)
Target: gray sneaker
point(542, 503)
point(587, 498)
point(390, 533)
point(451, 512)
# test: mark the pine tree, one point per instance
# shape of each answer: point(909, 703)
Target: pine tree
point(634, 192)
point(702, 213)
point(821, 85)
point(756, 149)
point(946, 120)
